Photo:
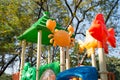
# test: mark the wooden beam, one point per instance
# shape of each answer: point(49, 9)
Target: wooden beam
point(62, 59)
point(102, 63)
point(67, 58)
point(22, 57)
point(49, 55)
point(38, 54)
point(93, 60)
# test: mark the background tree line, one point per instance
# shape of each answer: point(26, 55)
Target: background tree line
point(17, 16)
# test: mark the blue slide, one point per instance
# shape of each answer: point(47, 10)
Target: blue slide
point(84, 72)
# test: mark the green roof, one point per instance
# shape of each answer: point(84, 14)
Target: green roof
point(31, 34)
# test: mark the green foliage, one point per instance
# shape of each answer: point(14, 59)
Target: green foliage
point(59, 11)
point(113, 65)
point(15, 17)
point(6, 77)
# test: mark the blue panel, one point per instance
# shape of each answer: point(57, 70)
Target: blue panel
point(84, 72)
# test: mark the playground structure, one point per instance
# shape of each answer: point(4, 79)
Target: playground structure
point(47, 32)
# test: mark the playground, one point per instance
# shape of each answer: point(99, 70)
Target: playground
point(46, 31)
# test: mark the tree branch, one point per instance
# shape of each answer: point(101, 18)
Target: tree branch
point(76, 7)
point(81, 33)
point(41, 7)
point(83, 58)
point(5, 67)
point(69, 8)
point(72, 13)
point(84, 13)
point(47, 6)
point(9, 62)
point(77, 27)
point(111, 11)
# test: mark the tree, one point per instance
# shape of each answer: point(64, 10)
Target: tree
point(6, 77)
point(113, 65)
point(17, 16)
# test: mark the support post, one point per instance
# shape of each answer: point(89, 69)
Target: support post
point(102, 64)
point(49, 55)
point(93, 60)
point(62, 59)
point(38, 54)
point(67, 58)
point(22, 58)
